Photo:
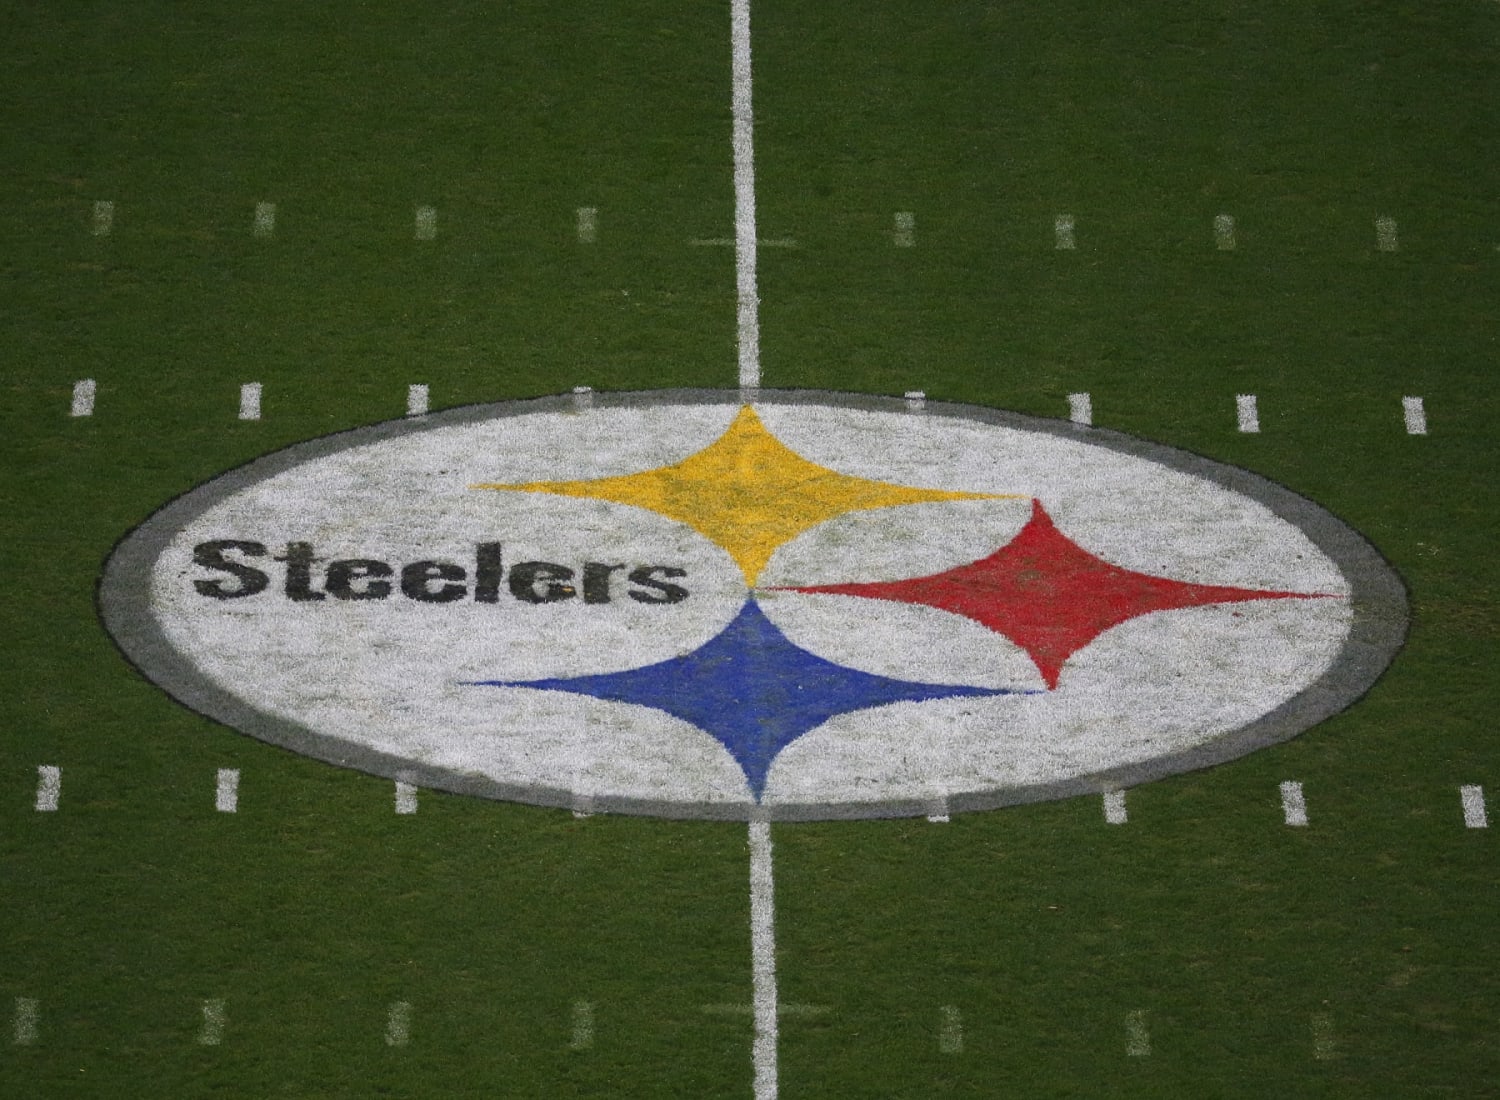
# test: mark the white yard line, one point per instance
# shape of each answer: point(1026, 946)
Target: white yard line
point(104, 218)
point(227, 791)
point(265, 219)
point(1062, 231)
point(214, 1017)
point(1224, 232)
point(1386, 238)
point(588, 224)
point(763, 959)
point(416, 399)
point(406, 797)
point(424, 226)
point(951, 1030)
point(250, 401)
point(1081, 409)
point(27, 1013)
point(744, 208)
point(904, 234)
point(48, 788)
point(583, 1026)
point(1247, 411)
point(398, 1025)
point(83, 397)
point(1472, 798)
point(1137, 1036)
point(1293, 804)
point(1114, 808)
point(1415, 415)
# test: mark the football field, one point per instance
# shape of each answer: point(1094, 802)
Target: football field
point(1264, 232)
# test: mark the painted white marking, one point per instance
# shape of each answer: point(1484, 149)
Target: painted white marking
point(406, 797)
point(1472, 798)
point(781, 1009)
point(1062, 229)
point(1322, 1036)
point(583, 397)
point(1081, 408)
point(763, 957)
point(1415, 415)
point(83, 397)
point(1224, 232)
point(425, 225)
point(905, 233)
point(937, 811)
point(398, 1025)
point(746, 293)
point(416, 399)
point(588, 224)
point(1137, 1037)
point(951, 1032)
point(27, 1015)
point(1247, 411)
point(583, 797)
point(214, 1017)
point(728, 242)
point(265, 219)
point(1293, 804)
point(1386, 239)
point(104, 218)
point(48, 788)
point(583, 1026)
point(916, 400)
point(1114, 808)
point(227, 791)
point(250, 401)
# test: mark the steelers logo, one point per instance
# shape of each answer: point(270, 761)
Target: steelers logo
point(803, 605)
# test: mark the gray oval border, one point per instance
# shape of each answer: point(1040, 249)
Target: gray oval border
point(1378, 596)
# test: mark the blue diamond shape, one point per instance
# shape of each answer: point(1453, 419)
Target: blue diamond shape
point(752, 689)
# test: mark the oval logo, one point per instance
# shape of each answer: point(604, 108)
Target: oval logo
point(812, 606)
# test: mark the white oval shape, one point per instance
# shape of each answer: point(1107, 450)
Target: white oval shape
point(825, 606)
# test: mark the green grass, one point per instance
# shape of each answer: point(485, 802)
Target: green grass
point(315, 907)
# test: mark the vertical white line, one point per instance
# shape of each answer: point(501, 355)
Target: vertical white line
point(250, 401)
point(212, 1032)
point(83, 397)
point(937, 810)
point(48, 788)
point(265, 219)
point(227, 791)
point(916, 400)
point(1062, 230)
point(1137, 1037)
point(1114, 808)
point(763, 959)
point(1415, 415)
point(1472, 798)
point(425, 223)
point(588, 224)
point(1322, 1036)
point(1247, 411)
point(1081, 408)
point(1224, 232)
point(406, 797)
point(746, 293)
point(1386, 239)
point(1293, 804)
point(951, 1031)
point(583, 398)
point(104, 218)
point(583, 1026)
point(27, 1013)
point(398, 1024)
point(416, 399)
point(905, 232)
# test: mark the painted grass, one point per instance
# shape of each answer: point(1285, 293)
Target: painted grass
point(315, 907)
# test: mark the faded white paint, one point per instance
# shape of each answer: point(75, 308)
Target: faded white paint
point(264, 224)
point(1247, 412)
point(588, 224)
point(916, 400)
point(1062, 232)
point(950, 1030)
point(227, 790)
point(583, 398)
point(27, 1021)
point(1471, 796)
point(1137, 1035)
point(1414, 413)
point(398, 1024)
point(250, 401)
point(104, 218)
point(1386, 238)
point(215, 1017)
point(583, 1026)
point(904, 233)
point(1081, 409)
point(1114, 808)
point(1322, 1037)
point(1224, 232)
point(424, 223)
point(1293, 804)
point(83, 397)
point(406, 797)
point(416, 399)
point(48, 788)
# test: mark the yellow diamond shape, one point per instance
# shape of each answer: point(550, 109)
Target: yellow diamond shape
point(747, 491)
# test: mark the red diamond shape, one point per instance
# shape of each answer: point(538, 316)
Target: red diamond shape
point(1048, 594)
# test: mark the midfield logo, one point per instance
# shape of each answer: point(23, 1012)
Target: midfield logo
point(813, 606)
